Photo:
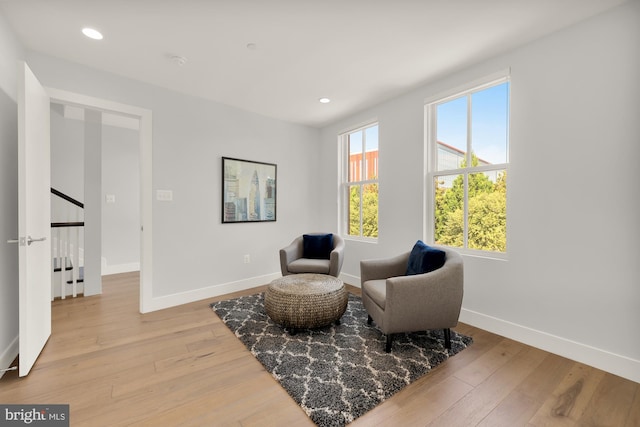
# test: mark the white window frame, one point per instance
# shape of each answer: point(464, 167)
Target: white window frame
point(344, 183)
point(431, 158)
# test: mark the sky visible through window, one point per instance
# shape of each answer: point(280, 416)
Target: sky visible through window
point(355, 139)
point(489, 123)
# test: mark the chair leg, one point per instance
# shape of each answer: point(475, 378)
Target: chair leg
point(389, 339)
point(369, 320)
point(447, 338)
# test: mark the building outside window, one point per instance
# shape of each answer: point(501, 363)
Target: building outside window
point(468, 146)
point(359, 187)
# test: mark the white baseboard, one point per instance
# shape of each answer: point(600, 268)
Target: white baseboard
point(350, 279)
point(159, 303)
point(8, 355)
point(592, 356)
point(119, 268)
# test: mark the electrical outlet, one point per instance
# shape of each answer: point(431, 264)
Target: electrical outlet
point(247, 259)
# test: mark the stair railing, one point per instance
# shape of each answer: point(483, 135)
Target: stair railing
point(66, 251)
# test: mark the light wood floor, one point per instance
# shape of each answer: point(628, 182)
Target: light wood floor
point(182, 366)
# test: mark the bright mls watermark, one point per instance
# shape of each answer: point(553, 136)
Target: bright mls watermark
point(34, 415)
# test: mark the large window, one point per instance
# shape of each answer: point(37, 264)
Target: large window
point(468, 146)
point(359, 201)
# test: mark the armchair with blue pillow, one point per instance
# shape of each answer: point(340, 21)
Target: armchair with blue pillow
point(416, 291)
point(321, 253)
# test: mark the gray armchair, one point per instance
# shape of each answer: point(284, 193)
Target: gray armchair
point(399, 303)
point(293, 262)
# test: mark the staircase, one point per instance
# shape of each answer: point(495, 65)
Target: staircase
point(68, 255)
point(68, 267)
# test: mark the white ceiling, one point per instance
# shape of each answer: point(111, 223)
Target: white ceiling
point(356, 52)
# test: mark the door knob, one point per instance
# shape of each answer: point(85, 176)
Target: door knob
point(22, 241)
point(30, 240)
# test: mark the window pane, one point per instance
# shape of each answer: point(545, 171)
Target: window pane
point(355, 156)
point(489, 124)
point(371, 157)
point(449, 210)
point(451, 133)
point(488, 211)
point(354, 210)
point(370, 210)
point(361, 198)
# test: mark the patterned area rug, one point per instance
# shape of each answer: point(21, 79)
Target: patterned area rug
point(336, 373)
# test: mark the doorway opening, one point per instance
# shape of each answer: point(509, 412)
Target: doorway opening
point(100, 107)
point(95, 204)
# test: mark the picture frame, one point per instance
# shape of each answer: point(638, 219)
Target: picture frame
point(248, 191)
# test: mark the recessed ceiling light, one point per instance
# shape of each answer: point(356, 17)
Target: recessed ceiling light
point(324, 100)
point(92, 34)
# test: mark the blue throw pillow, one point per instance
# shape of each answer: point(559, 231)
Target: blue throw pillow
point(317, 246)
point(424, 259)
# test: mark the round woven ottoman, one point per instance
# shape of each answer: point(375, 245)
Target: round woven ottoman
point(301, 301)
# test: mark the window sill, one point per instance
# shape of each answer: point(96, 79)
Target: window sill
point(360, 239)
point(493, 256)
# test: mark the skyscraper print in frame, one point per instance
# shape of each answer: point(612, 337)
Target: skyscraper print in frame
point(248, 191)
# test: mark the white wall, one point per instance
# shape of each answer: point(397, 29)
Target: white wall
point(67, 157)
point(10, 51)
point(92, 202)
point(571, 283)
point(194, 255)
point(121, 179)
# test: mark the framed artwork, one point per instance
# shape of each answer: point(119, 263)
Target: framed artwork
point(248, 191)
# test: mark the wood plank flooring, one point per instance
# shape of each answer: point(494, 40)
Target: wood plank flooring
point(183, 367)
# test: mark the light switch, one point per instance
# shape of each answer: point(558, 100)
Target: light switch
point(110, 198)
point(164, 195)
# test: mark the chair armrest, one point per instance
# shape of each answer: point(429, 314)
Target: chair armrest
point(425, 285)
point(336, 257)
point(376, 269)
point(290, 253)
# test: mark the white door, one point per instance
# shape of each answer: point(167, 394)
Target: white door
point(34, 218)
